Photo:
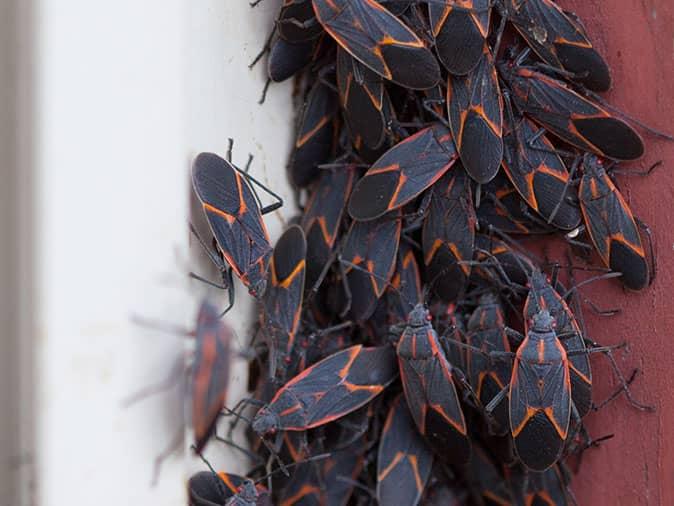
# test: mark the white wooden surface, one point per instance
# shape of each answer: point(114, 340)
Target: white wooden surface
point(122, 96)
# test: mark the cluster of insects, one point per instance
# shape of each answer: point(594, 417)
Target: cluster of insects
point(411, 346)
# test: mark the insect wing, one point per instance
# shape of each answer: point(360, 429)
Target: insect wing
point(380, 41)
point(361, 93)
point(476, 118)
point(286, 58)
point(547, 487)
point(560, 41)
point(340, 472)
point(540, 400)
point(322, 217)
point(571, 117)
point(503, 208)
point(612, 228)
point(539, 174)
point(372, 246)
point(404, 460)
point(403, 172)
point(460, 29)
point(333, 387)
point(282, 300)
point(448, 234)
point(315, 135)
point(234, 217)
point(406, 289)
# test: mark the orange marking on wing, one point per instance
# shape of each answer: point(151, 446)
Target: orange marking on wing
point(302, 140)
point(211, 209)
point(531, 412)
point(299, 268)
point(353, 353)
point(414, 463)
point(460, 426)
point(302, 492)
point(540, 348)
point(290, 410)
point(228, 481)
point(558, 428)
point(394, 462)
point(387, 168)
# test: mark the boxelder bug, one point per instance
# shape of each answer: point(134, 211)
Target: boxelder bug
point(475, 111)
point(545, 488)
point(380, 41)
point(611, 226)
point(210, 372)
point(404, 460)
point(486, 331)
point(208, 377)
point(406, 289)
point(543, 296)
point(448, 234)
point(367, 260)
point(460, 29)
point(559, 40)
point(568, 115)
point(403, 172)
point(330, 389)
point(323, 216)
point(494, 252)
point(315, 134)
point(538, 173)
point(235, 218)
point(366, 104)
point(282, 300)
point(428, 382)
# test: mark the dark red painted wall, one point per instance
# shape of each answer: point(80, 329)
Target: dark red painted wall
point(636, 467)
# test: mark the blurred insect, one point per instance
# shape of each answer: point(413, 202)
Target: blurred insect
point(208, 377)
